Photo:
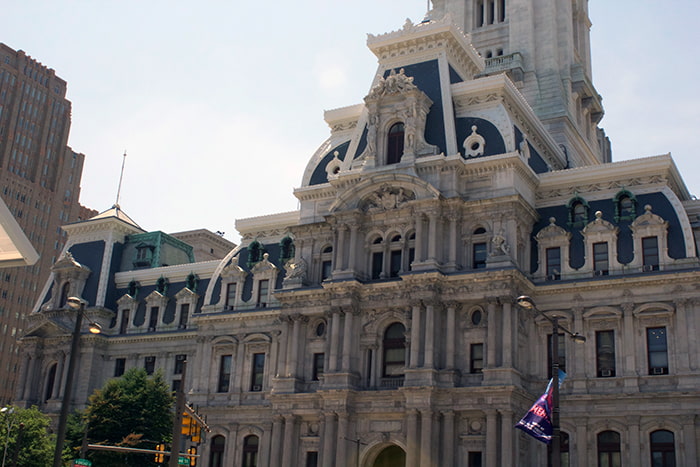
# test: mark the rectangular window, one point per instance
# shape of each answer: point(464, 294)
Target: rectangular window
point(149, 365)
point(153, 319)
point(600, 258)
point(605, 353)
point(319, 359)
point(124, 324)
point(224, 373)
point(230, 295)
point(256, 382)
point(312, 459)
point(650, 253)
point(179, 364)
point(176, 385)
point(263, 290)
point(119, 367)
point(474, 459)
point(325, 270)
point(184, 315)
point(553, 258)
point(377, 264)
point(562, 354)
point(476, 358)
point(657, 349)
point(395, 266)
point(479, 256)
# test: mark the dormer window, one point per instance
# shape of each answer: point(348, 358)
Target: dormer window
point(625, 208)
point(394, 149)
point(144, 255)
point(255, 253)
point(286, 249)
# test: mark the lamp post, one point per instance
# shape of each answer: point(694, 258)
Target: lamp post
point(527, 303)
point(77, 304)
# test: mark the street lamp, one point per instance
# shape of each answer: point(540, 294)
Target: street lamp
point(77, 304)
point(527, 303)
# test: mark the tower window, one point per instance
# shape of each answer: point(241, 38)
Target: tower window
point(600, 258)
point(395, 143)
point(650, 253)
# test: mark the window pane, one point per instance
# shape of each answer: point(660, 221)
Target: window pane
point(605, 353)
point(479, 252)
point(553, 263)
point(224, 373)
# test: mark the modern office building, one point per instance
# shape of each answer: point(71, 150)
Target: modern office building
point(377, 325)
point(40, 183)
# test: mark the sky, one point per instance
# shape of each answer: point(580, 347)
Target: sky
point(219, 104)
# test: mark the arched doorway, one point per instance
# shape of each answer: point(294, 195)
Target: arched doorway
point(391, 456)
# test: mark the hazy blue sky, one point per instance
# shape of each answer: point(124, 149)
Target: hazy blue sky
point(219, 104)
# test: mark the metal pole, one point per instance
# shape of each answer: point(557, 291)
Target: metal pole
point(68, 388)
point(556, 440)
point(177, 422)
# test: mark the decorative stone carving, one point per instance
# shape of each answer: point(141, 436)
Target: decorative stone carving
point(475, 144)
point(296, 273)
point(387, 198)
point(393, 84)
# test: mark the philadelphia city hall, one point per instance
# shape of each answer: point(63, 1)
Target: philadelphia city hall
point(376, 326)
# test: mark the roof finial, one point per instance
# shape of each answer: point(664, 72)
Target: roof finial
point(121, 176)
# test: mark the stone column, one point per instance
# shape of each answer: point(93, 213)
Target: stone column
point(335, 335)
point(432, 235)
point(412, 438)
point(373, 366)
point(491, 438)
point(426, 438)
point(581, 445)
point(448, 439)
point(415, 335)
point(340, 253)
point(284, 345)
point(628, 345)
point(507, 433)
point(635, 440)
point(682, 350)
point(342, 446)
point(328, 451)
point(58, 382)
point(491, 336)
point(453, 217)
point(293, 348)
point(429, 358)
point(288, 450)
point(354, 226)
point(347, 341)
point(276, 444)
point(419, 238)
point(689, 437)
point(508, 335)
point(450, 330)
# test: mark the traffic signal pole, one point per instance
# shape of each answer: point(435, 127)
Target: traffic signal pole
point(177, 423)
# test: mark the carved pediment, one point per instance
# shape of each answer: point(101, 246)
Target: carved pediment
point(264, 265)
point(395, 83)
point(599, 225)
point(552, 232)
point(648, 219)
point(186, 294)
point(386, 198)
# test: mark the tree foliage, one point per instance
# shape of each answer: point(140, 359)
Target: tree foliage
point(135, 410)
point(36, 447)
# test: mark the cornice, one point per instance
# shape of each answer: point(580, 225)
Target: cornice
point(176, 273)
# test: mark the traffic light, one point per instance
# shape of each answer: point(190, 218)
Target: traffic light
point(186, 424)
point(160, 457)
point(193, 460)
point(196, 433)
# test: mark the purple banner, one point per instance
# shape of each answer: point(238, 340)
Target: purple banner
point(537, 422)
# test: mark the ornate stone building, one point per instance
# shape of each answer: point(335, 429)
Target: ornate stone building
point(376, 325)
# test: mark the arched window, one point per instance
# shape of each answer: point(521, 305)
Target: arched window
point(608, 449)
point(377, 259)
point(65, 290)
point(578, 212)
point(216, 450)
point(394, 149)
point(663, 451)
point(326, 262)
point(625, 206)
point(50, 382)
point(255, 253)
point(250, 451)
point(286, 249)
point(394, 348)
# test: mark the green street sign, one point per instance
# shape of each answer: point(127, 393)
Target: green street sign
point(183, 461)
point(82, 462)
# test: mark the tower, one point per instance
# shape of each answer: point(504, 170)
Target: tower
point(544, 47)
point(39, 182)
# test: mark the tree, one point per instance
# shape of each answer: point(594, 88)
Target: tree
point(135, 410)
point(36, 445)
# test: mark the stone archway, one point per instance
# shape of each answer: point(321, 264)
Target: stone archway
point(391, 456)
